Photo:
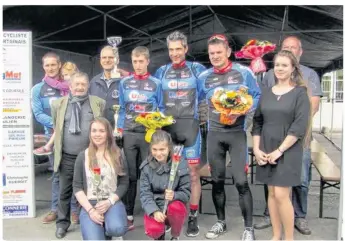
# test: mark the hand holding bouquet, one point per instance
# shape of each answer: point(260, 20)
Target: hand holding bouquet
point(255, 50)
point(153, 121)
point(231, 104)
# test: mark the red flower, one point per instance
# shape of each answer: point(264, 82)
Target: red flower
point(97, 170)
point(255, 50)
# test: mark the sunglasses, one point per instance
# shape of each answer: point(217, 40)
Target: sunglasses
point(219, 37)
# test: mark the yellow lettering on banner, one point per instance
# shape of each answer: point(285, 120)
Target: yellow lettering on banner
point(10, 110)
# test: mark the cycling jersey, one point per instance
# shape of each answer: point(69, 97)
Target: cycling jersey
point(138, 94)
point(233, 77)
point(42, 96)
point(181, 89)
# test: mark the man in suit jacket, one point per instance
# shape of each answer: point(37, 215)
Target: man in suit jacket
point(72, 116)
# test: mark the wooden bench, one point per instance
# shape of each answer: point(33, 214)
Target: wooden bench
point(316, 147)
point(329, 174)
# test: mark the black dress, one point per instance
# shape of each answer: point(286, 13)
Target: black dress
point(275, 118)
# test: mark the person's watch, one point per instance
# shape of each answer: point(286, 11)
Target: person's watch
point(111, 201)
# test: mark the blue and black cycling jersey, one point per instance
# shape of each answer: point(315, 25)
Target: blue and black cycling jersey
point(42, 96)
point(138, 94)
point(234, 77)
point(181, 89)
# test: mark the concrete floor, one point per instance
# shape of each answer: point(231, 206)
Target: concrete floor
point(322, 229)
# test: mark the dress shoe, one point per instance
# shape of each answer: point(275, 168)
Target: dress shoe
point(60, 233)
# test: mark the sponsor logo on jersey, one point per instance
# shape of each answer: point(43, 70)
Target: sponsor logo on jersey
point(132, 86)
point(136, 96)
point(185, 104)
point(185, 74)
point(137, 108)
point(181, 95)
point(173, 84)
point(147, 87)
point(190, 153)
point(231, 80)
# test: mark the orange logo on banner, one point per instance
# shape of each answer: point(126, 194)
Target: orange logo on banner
point(10, 75)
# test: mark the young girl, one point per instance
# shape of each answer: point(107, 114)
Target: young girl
point(67, 70)
point(100, 181)
point(155, 171)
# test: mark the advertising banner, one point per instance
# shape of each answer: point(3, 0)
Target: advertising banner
point(18, 179)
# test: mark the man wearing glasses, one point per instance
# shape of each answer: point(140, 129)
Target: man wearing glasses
point(227, 134)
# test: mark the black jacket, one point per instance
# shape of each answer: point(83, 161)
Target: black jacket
point(98, 87)
point(154, 180)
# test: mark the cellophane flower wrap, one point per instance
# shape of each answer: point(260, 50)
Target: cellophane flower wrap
point(232, 103)
point(255, 50)
point(153, 121)
point(97, 180)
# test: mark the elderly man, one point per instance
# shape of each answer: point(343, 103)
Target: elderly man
point(181, 100)
point(50, 88)
point(72, 116)
point(299, 193)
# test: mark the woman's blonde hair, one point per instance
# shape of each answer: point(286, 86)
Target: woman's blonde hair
point(297, 80)
point(111, 149)
point(69, 68)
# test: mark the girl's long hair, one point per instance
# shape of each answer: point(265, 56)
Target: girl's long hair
point(111, 150)
point(297, 80)
point(158, 137)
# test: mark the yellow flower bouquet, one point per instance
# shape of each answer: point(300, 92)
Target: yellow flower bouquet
point(231, 104)
point(153, 121)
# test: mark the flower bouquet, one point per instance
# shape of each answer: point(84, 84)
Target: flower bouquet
point(231, 104)
point(255, 50)
point(153, 121)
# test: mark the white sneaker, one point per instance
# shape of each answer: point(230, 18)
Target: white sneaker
point(217, 229)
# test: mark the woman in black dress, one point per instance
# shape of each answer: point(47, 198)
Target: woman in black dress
point(280, 123)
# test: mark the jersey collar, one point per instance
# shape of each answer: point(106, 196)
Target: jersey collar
point(180, 65)
point(141, 76)
point(223, 70)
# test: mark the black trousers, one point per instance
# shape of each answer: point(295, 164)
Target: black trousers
point(136, 150)
point(66, 172)
point(218, 143)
